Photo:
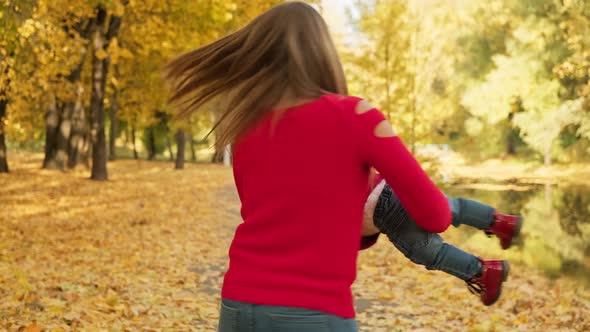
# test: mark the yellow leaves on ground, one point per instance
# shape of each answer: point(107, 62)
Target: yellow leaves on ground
point(33, 328)
point(146, 251)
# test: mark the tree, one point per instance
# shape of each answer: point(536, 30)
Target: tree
point(66, 128)
point(11, 16)
point(180, 147)
point(114, 120)
point(102, 35)
point(574, 72)
point(49, 56)
point(3, 156)
point(534, 47)
point(56, 58)
point(405, 67)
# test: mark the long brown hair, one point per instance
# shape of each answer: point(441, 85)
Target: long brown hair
point(286, 52)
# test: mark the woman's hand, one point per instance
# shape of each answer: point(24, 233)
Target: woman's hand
point(369, 228)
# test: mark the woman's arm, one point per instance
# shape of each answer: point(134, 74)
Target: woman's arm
point(369, 227)
point(379, 147)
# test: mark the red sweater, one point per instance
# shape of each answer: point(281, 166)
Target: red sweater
point(302, 181)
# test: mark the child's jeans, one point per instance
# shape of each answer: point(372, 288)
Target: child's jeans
point(428, 249)
point(245, 317)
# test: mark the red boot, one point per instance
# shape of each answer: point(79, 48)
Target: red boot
point(489, 284)
point(506, 227)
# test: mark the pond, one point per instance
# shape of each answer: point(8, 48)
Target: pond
point(556, 234)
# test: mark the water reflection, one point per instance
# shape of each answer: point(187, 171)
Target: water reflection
point(556, 235)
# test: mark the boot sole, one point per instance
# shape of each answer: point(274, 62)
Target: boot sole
point(505, 271)
point(516, 232)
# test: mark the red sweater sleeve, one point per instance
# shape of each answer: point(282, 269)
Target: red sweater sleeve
point(425, 203)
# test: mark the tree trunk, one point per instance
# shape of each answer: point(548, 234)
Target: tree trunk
point(169, 145)
point(511, 142)
point(78, 142)
point(217, 156)
point(114, 128)
point(79, 136)
point(51, 128)
point(414, 91)
point(62, 125)
point(100, 68)
point(99, 73)
point(227, 156)
point(126, 132)
point(3, 155)
point(151, 143)
point(135, 154)
point(512, 134)
point(547, 157)
point(414, 105)
point(193, 150)
point(387, 82)
point(3, 111)
point(58, 127)
point(180, 143)
point(63, 135)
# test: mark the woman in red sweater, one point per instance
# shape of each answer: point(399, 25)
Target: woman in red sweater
point(303, 150)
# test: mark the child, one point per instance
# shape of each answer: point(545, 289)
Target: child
point(485, 277)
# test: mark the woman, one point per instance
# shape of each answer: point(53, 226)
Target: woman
point(303, 150)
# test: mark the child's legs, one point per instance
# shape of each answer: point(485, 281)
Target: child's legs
point(472, 213)
point(419, 245)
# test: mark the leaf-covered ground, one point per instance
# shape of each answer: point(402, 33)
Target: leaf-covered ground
point(146, 251)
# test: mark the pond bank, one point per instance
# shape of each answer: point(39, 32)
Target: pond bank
point(496, 170)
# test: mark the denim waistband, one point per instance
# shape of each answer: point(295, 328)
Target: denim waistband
point(382, 202)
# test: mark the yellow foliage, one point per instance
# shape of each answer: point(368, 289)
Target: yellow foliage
point(50, 41)
point(101, 54)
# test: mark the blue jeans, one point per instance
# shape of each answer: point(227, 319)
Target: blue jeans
point(245, 317)
point(429, 249)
